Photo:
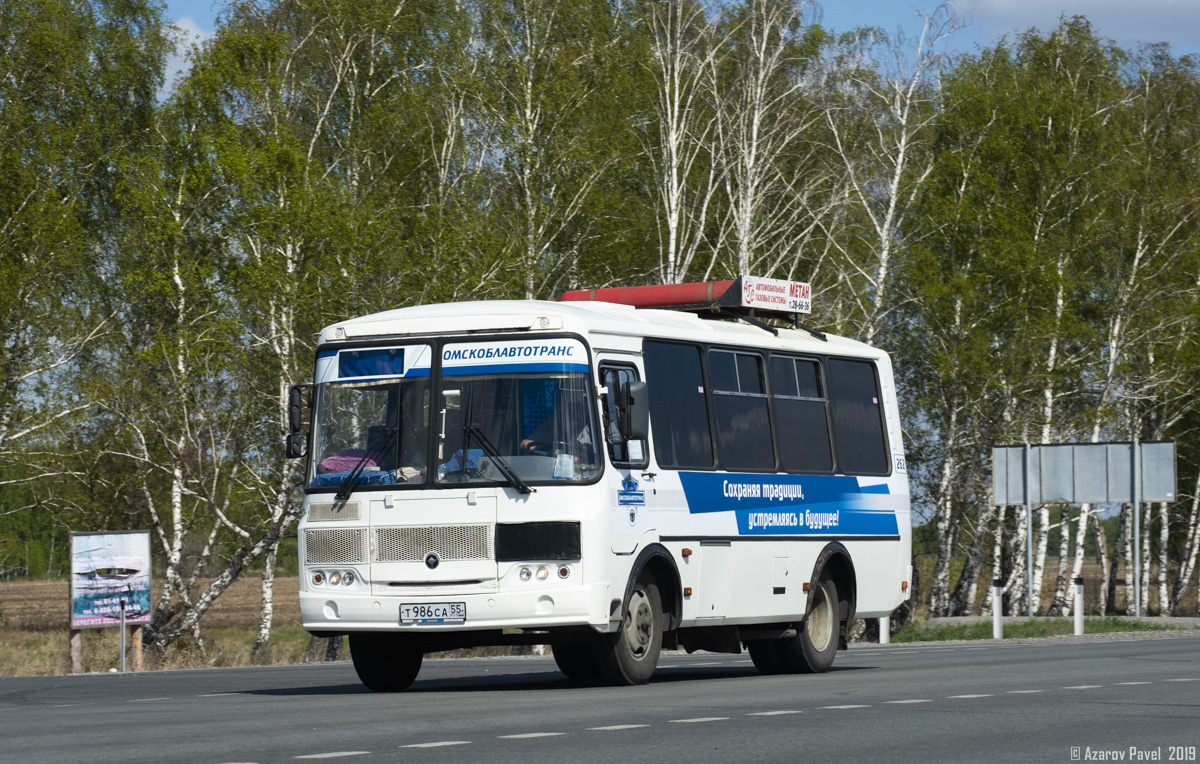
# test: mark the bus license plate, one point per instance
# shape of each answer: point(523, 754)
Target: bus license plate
point(434, 612)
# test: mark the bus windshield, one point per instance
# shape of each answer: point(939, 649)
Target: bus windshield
point(539, 424)
point(377, 427)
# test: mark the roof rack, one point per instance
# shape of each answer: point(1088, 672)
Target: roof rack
point(747, 298)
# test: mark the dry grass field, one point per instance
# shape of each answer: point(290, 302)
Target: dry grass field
point(35, 622)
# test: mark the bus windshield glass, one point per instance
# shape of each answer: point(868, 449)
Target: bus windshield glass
point(371, 421)
point(523, 407)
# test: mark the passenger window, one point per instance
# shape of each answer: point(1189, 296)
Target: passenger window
point(801, 423)
point(678, 412)
point(857, 418)
point(740, 404)
point(632, 453)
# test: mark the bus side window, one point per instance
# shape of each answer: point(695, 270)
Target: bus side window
point(678, 411)
point(857, 418)
point(740, 404)
point(632, 453)
point(801, 423)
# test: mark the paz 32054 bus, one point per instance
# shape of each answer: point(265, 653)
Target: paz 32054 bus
point(613, 474)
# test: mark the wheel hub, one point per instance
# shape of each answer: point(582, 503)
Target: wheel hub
point(639, 625)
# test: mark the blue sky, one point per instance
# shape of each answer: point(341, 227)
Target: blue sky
point(1129, 22)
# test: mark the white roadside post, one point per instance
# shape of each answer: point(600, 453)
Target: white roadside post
point(997, 608)
point(122, 636)
point(1079, 606)
point(885, 629)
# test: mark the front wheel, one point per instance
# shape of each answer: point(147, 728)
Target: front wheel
point(576, 661)
point(385, 662)
point(630, 655)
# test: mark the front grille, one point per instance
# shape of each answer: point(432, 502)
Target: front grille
point(342, 510)
point(334, 545)
point(450, 542)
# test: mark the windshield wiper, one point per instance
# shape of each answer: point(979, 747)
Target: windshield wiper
point(351, 480)
point(501, 463)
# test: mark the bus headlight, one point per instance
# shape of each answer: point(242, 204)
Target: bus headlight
point(335, 578)
point(543, 573)
point(348, 578)
point(526, 574)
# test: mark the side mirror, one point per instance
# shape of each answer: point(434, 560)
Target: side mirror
point(295, 409)
point(294, 445)
point(636, 411)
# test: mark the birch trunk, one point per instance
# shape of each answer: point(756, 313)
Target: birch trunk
point(1058, 604)
point(1147, 534)
point(1100, 538)
point(1164, 605)
point(962, 601)
point(989, 605)
point(1015, 586)
point(1190, 547)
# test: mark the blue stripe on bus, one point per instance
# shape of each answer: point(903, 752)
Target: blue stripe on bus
point(791, 504)
point(513, 368)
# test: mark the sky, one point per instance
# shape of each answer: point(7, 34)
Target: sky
point(1128, 22)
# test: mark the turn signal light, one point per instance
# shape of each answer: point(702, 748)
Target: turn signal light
point(903, 585)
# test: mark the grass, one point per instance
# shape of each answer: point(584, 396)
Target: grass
point(1037, 627)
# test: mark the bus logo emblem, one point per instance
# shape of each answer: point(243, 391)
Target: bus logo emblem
point(431, 560)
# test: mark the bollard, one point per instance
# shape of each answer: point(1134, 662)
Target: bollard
point(997, 608)
point(885, 629)
point(122, 636)
point(1079, 606)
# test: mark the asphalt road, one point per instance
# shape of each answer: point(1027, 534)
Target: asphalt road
point(1132, 697)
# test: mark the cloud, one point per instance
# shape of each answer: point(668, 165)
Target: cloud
point(1172, 21)
point(190, 34)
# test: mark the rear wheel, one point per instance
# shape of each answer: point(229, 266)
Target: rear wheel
point(576, 660)
point(812, 650)
point(630, 655)
point(385, 662)
point(767, 656)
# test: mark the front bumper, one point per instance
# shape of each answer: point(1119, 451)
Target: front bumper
point(334, 611)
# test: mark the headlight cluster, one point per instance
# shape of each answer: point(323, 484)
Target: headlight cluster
point(333, 577)
point(543, 572)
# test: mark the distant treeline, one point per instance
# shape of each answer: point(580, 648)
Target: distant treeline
point(1016, 225)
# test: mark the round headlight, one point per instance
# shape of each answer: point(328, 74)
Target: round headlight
point(348, 578)
point(526, 574)
point(543, 573)
point(318, 578)
point(564, 571)
point(335, 578)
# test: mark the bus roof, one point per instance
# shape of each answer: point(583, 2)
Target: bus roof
point(594, 320)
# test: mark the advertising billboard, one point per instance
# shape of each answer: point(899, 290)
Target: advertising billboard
point(107, 568)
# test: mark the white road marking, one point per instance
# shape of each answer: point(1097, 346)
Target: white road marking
point(970, 696)
point(218, 694)
point(1084, 687)
point(1182, 680)
point(710, 663)
point(147, 700)
point(902, 652)
point(65, 705)
point(701, 719)
point(866, 653)
point(438, 744)
point(1022, 692)
point(615, 727)
point(969, 649)
point(1132, 683)
point(333, 755)
point(840, 708)
point(772, 713)
point(528, 735)
point(913, 700)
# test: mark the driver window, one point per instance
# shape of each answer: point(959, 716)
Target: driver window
point(623, 454)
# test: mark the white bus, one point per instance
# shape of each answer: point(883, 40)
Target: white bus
point(606, 479)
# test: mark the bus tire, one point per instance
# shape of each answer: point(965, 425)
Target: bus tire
point(813, 649)
point(576, 661)
point(630, 655)
point(767, 656)
point(385, 662)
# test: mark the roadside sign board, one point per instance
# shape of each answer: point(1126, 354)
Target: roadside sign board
point(107, 568)
point(1078, 473)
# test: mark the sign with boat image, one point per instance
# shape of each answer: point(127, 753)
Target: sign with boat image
point(108, 571)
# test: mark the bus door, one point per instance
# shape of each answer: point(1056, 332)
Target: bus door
point(633, 497)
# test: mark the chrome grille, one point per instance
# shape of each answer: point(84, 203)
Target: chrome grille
point(450, 542)
point(334, 545)
point(342, 510)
